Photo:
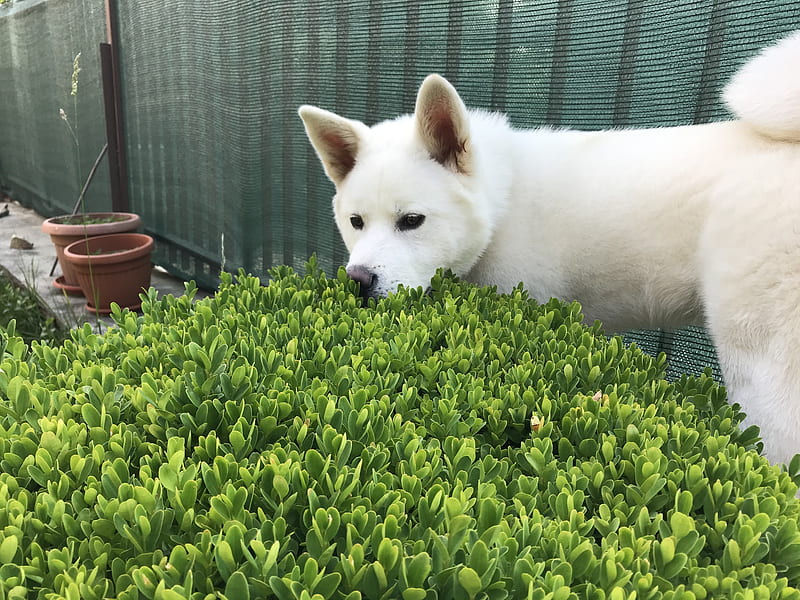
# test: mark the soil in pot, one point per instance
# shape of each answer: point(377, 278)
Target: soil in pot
point(112, 268)
point(66, 229)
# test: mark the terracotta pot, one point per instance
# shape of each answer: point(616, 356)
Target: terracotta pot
point(63, 233)
point(112, 268)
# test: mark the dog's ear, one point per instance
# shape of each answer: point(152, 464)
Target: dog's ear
point(335, 139)
point(442, 123)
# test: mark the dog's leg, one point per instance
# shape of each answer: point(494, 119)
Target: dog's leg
point(754, 319)
point(762, 376)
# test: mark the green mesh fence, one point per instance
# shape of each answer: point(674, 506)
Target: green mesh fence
point(218, 164)
point(41, 164)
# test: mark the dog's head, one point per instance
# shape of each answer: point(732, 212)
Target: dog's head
point(406, 198)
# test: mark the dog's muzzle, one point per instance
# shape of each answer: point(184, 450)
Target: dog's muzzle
point(366, 279)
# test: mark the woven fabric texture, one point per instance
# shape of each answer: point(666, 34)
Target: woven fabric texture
point(42, 164)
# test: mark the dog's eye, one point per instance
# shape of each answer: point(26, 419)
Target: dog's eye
point(357, 222)
point(410, 221)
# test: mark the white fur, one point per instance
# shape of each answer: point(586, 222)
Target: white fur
point(646, 228)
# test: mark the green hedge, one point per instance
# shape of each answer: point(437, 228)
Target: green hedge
point(285, 441)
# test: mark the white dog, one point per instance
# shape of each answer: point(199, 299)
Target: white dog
point(646, 228)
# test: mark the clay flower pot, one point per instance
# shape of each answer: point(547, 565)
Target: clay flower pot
point(112, 268)
point(67, 229)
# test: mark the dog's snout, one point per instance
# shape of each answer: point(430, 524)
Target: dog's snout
point(365, 278)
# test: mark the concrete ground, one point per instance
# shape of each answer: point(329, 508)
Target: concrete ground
point(32, 268)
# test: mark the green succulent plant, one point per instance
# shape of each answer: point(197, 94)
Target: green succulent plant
point(286, 441)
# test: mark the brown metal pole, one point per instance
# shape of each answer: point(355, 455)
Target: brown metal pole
point(109, 104)
point(112, 96)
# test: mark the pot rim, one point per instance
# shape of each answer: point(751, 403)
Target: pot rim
point(130, 222)
point(140, 244)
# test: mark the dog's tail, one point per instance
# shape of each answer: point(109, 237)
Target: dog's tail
point(765, 93)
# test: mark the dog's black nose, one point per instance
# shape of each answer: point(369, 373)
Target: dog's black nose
point(366, 279)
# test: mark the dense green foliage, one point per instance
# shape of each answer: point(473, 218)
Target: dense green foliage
point(21, 305)
point(285, 441)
